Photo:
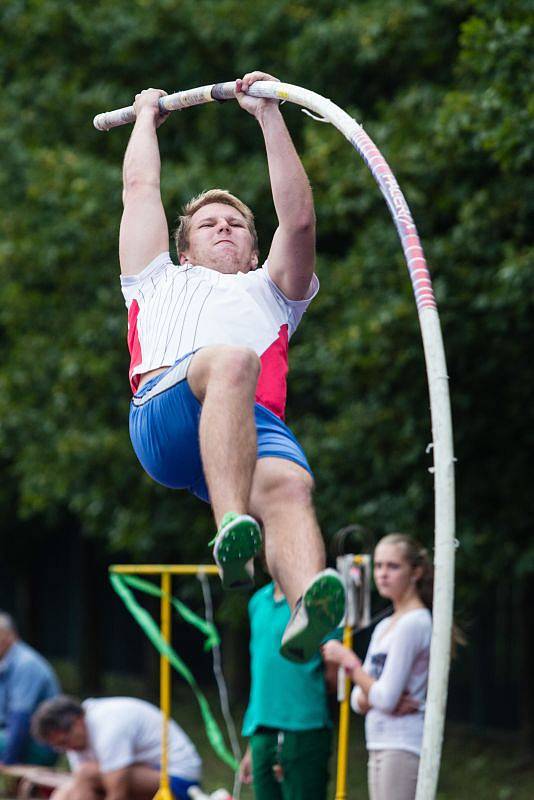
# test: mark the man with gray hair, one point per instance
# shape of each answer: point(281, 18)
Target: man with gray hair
point(26, 679)
point(208, 341)
point(113, 745)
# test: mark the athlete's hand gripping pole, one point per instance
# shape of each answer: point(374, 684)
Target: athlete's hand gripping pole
point(188, 98)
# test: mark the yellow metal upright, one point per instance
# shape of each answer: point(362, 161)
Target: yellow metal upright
point(164, 791)
point(344, 725)
point(355, 571)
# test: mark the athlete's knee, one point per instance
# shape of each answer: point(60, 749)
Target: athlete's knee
point(223, 366)
point(287, 485)
point(296, 489)
point(236, 365)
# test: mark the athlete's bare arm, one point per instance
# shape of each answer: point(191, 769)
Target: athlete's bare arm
point(292, 253)
point(144, 232)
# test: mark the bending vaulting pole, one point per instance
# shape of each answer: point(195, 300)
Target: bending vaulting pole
point(436, 373)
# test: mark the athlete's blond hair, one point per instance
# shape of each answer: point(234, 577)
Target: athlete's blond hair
point(181, 234)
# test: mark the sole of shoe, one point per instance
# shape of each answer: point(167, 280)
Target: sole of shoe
point(236, 545)
point(323, 605)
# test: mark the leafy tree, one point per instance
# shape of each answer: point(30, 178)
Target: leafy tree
point(445, 90)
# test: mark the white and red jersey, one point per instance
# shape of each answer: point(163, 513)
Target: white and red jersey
point(174, 310)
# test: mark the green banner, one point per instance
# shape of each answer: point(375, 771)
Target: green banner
point(142, 617)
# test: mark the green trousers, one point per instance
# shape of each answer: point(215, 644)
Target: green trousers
point(303, 757)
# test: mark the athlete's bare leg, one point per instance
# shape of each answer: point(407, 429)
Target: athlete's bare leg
point(224, 379)
point(282, 499)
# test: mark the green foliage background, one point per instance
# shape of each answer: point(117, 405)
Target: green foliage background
point(445, 91)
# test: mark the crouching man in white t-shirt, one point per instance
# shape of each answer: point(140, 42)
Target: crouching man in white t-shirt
point(113, 746)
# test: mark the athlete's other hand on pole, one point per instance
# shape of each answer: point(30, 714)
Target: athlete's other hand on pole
point(254, 105)
point(147, 103)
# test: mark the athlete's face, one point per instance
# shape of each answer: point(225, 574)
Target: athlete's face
point(395, 578)
point(219, 238)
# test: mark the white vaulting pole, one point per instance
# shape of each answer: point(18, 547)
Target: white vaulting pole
point(442, 445)
point(444, 549)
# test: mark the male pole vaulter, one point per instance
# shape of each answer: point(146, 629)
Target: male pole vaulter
point(208, 341)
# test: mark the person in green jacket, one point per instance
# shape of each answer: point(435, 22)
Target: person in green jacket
point(287, 719)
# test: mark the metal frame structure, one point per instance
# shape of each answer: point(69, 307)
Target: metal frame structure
point(353, 619)
point(438, 382)
point(356, 573)
point(165, 572)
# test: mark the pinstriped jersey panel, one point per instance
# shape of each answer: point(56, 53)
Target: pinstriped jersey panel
point(174, 310)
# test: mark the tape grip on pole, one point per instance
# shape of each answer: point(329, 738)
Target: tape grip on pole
point(218, 93)
point(113, 119)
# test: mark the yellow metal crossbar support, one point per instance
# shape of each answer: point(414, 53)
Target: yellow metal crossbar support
point(164, 792)
point(160, 569)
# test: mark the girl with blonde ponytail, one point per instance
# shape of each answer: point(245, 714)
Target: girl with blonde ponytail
point(390, 686)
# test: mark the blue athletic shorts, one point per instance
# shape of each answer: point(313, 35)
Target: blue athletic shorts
point(164, 417)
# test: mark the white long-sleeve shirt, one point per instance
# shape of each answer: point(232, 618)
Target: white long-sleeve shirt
point(397, 658)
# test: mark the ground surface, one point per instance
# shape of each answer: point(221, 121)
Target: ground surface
point(477, 765)
point(473, 765)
